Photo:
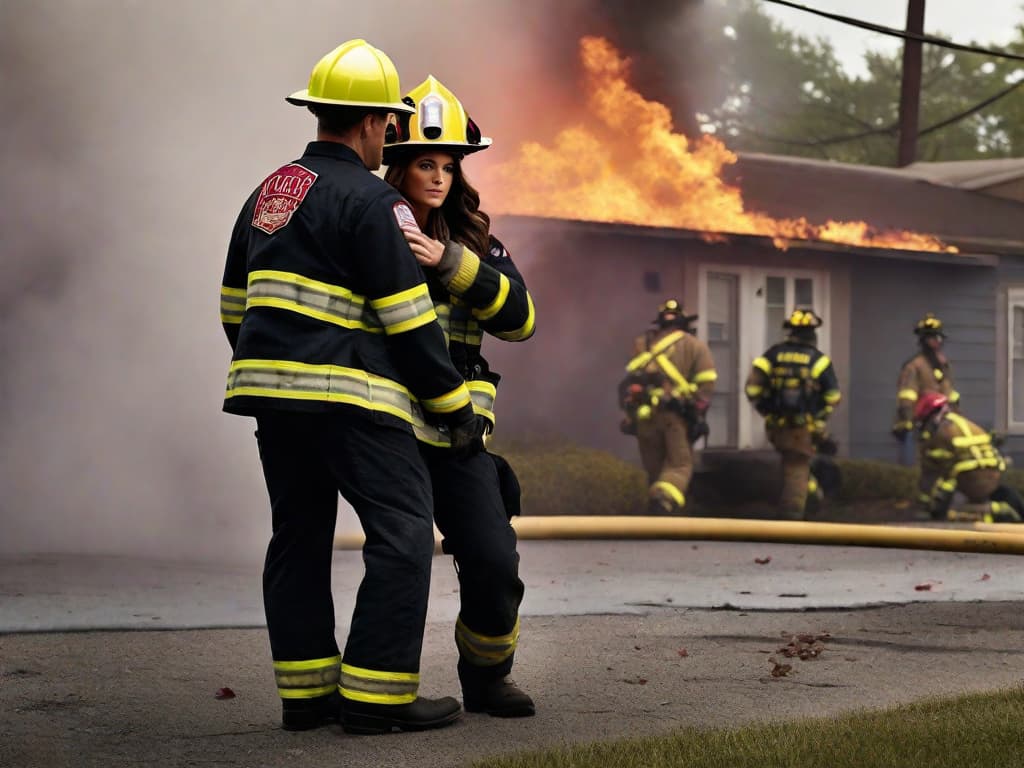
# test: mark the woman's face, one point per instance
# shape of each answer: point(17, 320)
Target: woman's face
point(428, 179)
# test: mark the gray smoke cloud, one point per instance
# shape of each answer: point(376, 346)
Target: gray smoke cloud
point(134, 131)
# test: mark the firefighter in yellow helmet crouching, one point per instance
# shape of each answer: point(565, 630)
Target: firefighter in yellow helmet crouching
point(966, 461)
point(794, 387)
point(338, 354)
point(665, 396)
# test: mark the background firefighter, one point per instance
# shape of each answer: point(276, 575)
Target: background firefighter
point(794, 387)
point(927, 371)
point(967, 461)
point(665, 396)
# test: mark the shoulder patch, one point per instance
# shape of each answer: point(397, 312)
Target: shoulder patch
point(405, 217)
point(280, 196)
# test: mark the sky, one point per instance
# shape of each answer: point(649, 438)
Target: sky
point(963, 21)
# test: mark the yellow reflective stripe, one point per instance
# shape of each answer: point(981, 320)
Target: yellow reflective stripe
point(671, 491)
point(940, 453)
point(308, 678)
point(973, 464)
point(313, 298)
point(812, 484)
point(685, 388)
point(947, 485)
point(469, 265)
point(485, 650)
point(466, 332)
point(753, 390)
point(499, 301)
point(907, 394)
point(762, 364)
point(378, 687)
point(524, 331)
point(448, 402)
point(819, 367)
point(954, 396)
point(704, 376)
point(967, 441)
point(482, 393)
point(405, 310)
point(232, 304)
point(833, 396)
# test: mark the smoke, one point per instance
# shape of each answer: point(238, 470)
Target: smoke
point(134, 131)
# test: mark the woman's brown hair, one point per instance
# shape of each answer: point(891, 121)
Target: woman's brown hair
point(459, 218)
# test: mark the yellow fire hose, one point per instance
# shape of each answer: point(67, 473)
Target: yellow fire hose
point(988, 538)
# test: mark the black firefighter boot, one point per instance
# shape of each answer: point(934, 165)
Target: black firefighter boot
point(305, 714)
point(419, 715)
point(498, 696)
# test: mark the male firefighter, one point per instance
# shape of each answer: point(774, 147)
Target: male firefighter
point(967, 461)
point(927, 371)
point(665, 396)
point(338, 355)
point(794, 387)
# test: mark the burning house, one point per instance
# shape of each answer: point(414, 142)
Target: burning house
point(615, 217)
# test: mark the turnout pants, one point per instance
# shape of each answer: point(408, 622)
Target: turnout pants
point(796, 449)
point(667, 456)
point(471, 514)
point(374, 461)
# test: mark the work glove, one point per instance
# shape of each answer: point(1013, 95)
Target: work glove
point(467, 430)
point(901, 429)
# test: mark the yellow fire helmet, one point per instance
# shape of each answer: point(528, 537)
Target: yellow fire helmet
point(440, 123)
point(802, 318)
point(929, 325)
point(355, 74)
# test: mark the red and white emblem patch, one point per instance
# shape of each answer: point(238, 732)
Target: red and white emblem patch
point(280, 196)
point(404, 216)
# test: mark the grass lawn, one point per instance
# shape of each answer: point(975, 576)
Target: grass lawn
point(977, 731)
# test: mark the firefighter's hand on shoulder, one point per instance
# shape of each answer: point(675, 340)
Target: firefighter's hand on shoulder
point(467, 430)
point(902, 428)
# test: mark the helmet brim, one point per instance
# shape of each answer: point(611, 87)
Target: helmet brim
point(303, 99)
point(395, 152)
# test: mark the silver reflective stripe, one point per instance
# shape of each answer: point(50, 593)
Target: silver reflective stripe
point(482, 393)
point(307, 679)
point(378, 687)
point(405, 310)
point(485, 650)
point(312, 298)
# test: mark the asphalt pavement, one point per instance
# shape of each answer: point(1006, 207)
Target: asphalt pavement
point(116, 661)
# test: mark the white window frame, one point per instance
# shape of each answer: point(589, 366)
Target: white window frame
point(1014, 298)
point(751, 319)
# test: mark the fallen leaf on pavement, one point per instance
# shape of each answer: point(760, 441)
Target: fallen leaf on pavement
point(780, 670)
point(925, 587)
point(763, 560)
point(683, 652)
point(984, 577)
point(224, 693)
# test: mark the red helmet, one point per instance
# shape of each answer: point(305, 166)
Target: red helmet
point(928, 403)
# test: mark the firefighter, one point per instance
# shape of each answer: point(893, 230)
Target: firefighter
point(665, 396)
point(793, 385)
point(927, 371)
point(967, 461)
point(476, 289)
point(338, 355)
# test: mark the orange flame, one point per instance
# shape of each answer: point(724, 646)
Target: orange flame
point(629, 166)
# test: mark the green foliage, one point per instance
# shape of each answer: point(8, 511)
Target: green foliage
point(865, 479)
point(559, 478)
point(788, 94)
point(976, 731)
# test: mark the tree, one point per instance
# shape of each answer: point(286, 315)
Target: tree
point(788, 94)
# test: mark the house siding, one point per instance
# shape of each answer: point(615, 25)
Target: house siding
point(887, 299)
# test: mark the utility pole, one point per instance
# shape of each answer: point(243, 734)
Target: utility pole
point(910, 87)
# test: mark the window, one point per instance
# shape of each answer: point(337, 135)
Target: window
point(782, 295)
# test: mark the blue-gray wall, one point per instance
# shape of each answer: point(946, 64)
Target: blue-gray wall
point(887, 299)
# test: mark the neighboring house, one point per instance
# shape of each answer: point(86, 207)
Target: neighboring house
point(597, 286)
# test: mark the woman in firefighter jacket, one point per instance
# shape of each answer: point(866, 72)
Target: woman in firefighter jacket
point(966, 461)
point(338, 354)
point(665, 395)
point(476, 288)
point(927, 371)
point(794, 387)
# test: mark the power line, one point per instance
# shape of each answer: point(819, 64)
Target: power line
point(891, 129)
point(892, 31)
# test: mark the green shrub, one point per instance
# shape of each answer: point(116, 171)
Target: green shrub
point(867, 479)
